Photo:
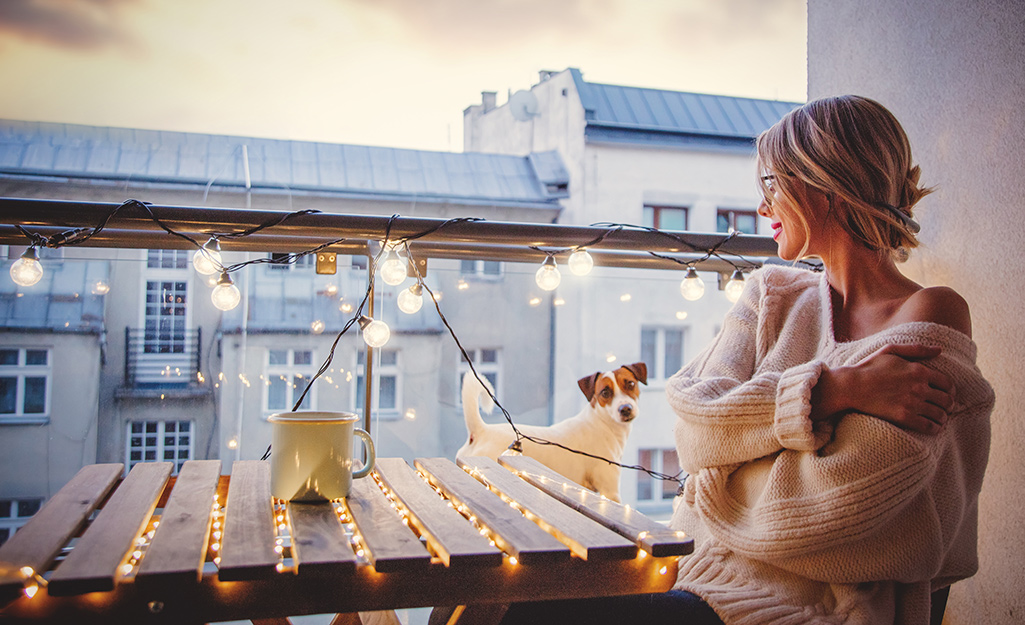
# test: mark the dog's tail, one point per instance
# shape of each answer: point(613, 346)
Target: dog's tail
point(474, 392)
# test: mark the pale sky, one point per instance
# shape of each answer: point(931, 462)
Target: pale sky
point(392, 73)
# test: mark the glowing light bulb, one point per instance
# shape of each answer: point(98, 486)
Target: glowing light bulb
point(331, 290)
point(225, 295)
point(580, 262)
point(375, 332)
point(410, 300)
point(692, 287)
point(100, 288)
point(27, 270)
point(548, 276)
point(207, 259)
point(735, 286)
point(317, 326)
point(393, 269)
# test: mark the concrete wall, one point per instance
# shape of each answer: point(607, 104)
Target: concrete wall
point(954, 73)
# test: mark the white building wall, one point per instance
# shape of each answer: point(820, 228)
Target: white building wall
point(954, 74)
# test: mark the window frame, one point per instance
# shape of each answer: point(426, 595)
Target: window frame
point(656, 215)
point(20, 372)
point(483, 368)
point(292, 370)
point(658, 487)
point(656, 369)
point(14, 521)
point(731, 217)
point(160, 442)
point(382, 369)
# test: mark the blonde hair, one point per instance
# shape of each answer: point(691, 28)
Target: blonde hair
point(854, 150)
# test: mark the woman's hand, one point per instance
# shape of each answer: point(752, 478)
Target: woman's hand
point(891, 384)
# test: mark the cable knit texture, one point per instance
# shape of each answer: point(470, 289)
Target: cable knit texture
point(796, 522)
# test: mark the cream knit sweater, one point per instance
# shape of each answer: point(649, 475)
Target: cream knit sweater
point(800, 524)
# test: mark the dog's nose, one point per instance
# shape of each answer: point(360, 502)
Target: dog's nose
point(626, 412)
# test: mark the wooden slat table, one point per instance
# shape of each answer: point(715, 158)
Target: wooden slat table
point(201, 548)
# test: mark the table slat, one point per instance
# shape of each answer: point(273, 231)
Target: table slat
point(38, 542)
point(178, 549)
point(585, 537)
point(512, 531)
point(319, 545)
point(456, 542)
point(655, 538)
point(390, 545)
point(247, 544)
point(93, 563)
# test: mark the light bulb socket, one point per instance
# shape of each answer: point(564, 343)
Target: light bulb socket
point(737, 275)
point(224, 279)
point(417, 289)
point(212, 244)
point(31, 254)
point(691, 274)
point(549, 261)
point(364, 321)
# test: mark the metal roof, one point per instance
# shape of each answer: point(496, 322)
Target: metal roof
point(75, 151)
point(653, 116)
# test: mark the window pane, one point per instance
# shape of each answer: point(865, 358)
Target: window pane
point(299, 385)
point(277, 393)
point(670, 466)
point(303, 357)
point(5, 508)
point(672, 219)
point(643, 479)
point(648, 337)
point(648, 217)
point(493, 379)
point(389, 356)
point(674, 352)
point(722, 222)
point(277, 357)
point(8, 392)
point(745, 222)
point(489, 355)
point(492, 268)
point(386, 393)
point(8, 357)
point(468, 266)
point(359, 393)
point(35, 395)
point(35, 357)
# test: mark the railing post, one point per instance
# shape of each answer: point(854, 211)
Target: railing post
point(128, 356)
point(199, 354)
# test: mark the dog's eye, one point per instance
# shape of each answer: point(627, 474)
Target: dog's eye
point(629, 384)
point(606, 392)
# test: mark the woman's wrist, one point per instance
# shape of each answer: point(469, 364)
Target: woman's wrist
point(829, 396)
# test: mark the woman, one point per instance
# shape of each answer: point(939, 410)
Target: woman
point(837, 429)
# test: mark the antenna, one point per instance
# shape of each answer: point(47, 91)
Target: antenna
point(523, 105)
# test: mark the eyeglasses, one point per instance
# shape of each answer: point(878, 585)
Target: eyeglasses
point(769, 181)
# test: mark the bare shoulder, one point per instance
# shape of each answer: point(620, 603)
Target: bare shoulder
point(938, 304)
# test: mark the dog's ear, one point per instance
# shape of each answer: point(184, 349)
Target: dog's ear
point(640, 371)
point(587, 383)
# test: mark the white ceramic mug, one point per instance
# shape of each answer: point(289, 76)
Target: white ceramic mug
point(312, 455)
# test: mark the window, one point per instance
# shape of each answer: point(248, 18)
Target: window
point(665, 217)
point(159, 441)
point(652, 489)
point(165, 317)
point(24, 384)
point(167, 259)
point(14, 513)
point(388, 391)
point(486, 362)
point(303, 262)
point(480, 268)
point(729, 220)
point(662, 351)
point(286, 376)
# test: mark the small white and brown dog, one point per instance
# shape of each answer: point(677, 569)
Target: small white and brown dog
point(600, 429)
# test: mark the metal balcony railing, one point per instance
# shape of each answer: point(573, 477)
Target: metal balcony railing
point(156, 359)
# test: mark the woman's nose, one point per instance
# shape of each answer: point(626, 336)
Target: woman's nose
point(763, 208)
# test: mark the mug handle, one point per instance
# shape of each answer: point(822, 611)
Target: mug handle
point(371, 454)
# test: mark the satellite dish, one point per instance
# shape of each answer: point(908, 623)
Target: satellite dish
point(523, 105)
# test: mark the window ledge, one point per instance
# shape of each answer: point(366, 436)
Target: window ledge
point(25, 420)
point(175, 392)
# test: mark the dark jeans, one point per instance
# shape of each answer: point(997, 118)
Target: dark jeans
point(676, 607)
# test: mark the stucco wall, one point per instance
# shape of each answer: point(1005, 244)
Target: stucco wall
point(954, 73)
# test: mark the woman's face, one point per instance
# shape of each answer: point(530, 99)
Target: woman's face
point(792, 240)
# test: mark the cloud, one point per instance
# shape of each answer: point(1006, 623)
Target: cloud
point(75, 24)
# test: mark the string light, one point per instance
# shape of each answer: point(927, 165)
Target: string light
point(393, 269)
point(580, 262)
point(100, 288)
point(27, 270)
point(375, 332)
point(548, 276)
point(207, 259)
point(225, 295)
point(317, 327)
point(692, 287)
point(410, 300)
point(735, 286)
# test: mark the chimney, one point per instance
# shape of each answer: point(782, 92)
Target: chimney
point(488, 98)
